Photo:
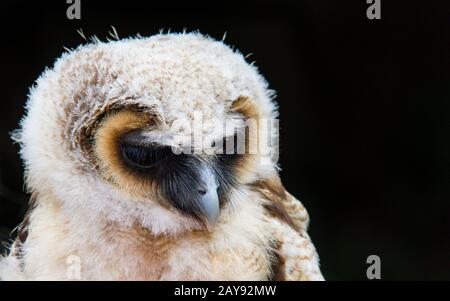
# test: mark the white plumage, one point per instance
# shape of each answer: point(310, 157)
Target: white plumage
point(120, 226)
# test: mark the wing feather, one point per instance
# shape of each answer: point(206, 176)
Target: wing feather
point(281, 203)
point(295, 257)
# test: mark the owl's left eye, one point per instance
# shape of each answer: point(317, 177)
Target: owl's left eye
point(144, 156)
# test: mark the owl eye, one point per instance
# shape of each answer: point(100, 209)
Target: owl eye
point(144, 156)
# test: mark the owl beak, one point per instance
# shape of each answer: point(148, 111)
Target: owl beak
point(209, 199)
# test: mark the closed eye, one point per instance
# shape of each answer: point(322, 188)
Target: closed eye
point(144, 157)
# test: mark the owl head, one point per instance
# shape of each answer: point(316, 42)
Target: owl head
point(147, 130)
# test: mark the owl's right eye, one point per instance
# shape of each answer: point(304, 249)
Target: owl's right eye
point(144, 157)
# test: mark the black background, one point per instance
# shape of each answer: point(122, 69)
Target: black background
point(365, 112)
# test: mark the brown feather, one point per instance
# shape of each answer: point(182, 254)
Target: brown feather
point(278, 265)
point(274, 192)
point(246, 107)
point(282, 206)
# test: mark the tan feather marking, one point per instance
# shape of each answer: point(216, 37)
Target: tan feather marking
point(281, 203)
point(278, 264)
point(150, 252)
point(248, 162)
point(275, 194)
point(246, 107)
point(82, 138)
point(297, 256)
point(107, 157)
point(256, 260)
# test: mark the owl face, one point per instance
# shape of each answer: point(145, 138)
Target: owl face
point(154, 131)
point(196, 181)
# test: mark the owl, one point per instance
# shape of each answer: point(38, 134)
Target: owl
point(154, 158)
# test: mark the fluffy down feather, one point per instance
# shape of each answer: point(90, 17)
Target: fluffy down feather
point(84, 226)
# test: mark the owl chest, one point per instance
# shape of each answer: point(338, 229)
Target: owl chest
point(135, 257)
point(220, 259)
point(185, 259)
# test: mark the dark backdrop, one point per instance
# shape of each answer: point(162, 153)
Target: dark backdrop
point(365, 107)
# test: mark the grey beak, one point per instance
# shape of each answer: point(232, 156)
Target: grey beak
point(209, 199)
